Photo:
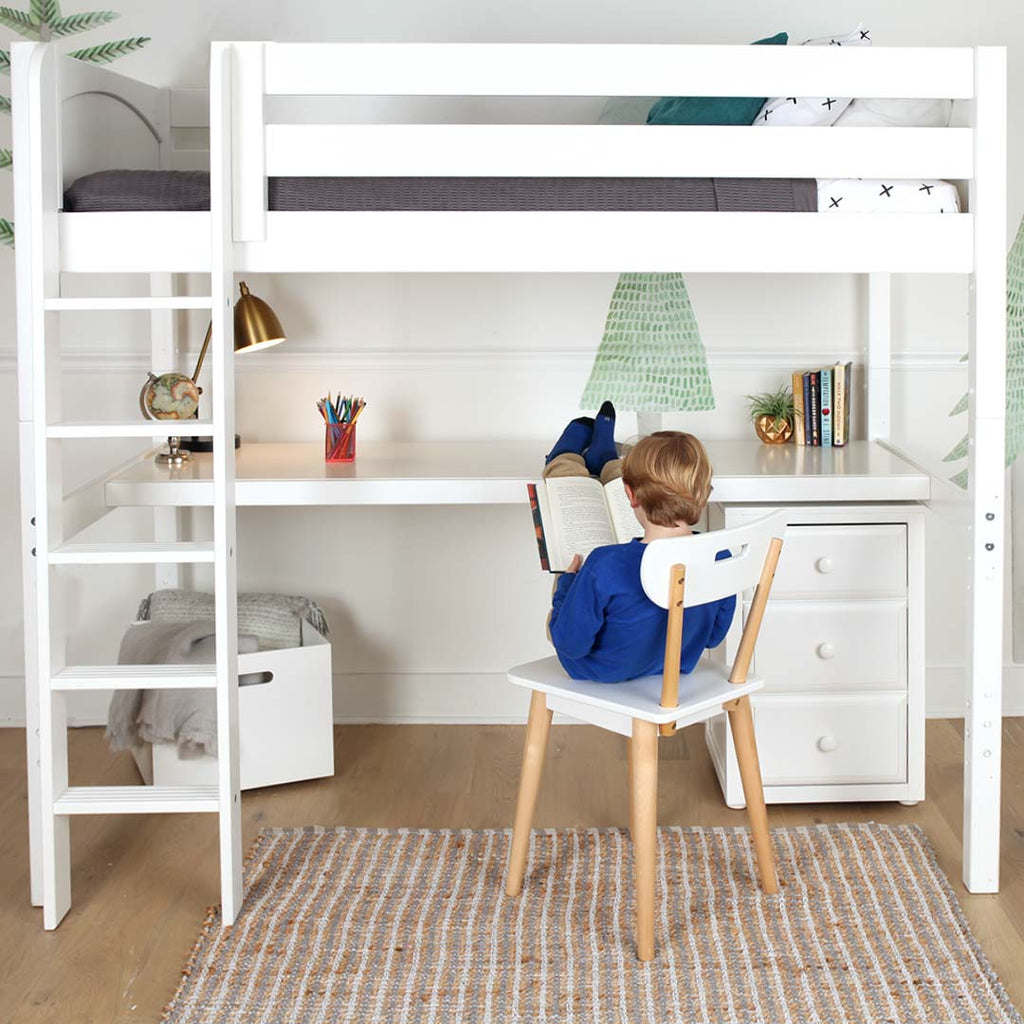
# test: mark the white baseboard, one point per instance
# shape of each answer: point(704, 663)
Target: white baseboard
point(473, 698)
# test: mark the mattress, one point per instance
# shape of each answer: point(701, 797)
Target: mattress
point(125, 190)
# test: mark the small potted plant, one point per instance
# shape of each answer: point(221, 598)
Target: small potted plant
point(772, 415)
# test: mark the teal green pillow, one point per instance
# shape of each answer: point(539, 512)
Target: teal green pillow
point(712, 109)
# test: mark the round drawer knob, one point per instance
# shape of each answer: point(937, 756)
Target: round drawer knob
point(826, 744)
point(824, 565)
point(826, 651)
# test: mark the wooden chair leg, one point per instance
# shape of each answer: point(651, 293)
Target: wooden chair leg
point(644, 824)
point(537, 729)
point(632, 802)
point(741, 719)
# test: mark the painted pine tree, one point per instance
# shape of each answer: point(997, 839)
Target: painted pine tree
point(44, 21)
point(1014, 365)
point(651, 357)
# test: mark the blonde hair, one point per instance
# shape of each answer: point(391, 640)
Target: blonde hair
point(670, 476)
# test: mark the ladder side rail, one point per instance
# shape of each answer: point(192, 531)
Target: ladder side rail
point(37, 201)
point(223, 460)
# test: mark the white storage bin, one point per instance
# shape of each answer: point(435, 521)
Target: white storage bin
point(285, 725)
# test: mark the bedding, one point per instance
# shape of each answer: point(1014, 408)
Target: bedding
point(812, 110)
point(864, 195)
point(712, 109)
point(123, 190)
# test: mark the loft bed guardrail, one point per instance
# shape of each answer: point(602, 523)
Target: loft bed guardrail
point(276, 240)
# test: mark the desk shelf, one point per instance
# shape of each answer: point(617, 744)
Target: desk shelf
point(496, 473)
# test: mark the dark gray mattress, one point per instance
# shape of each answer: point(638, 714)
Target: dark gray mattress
point(107, 191)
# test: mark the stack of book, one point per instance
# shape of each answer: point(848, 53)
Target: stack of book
point(821, 406)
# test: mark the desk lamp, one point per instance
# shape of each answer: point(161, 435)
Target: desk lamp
point(651, 358)
point(256, 327)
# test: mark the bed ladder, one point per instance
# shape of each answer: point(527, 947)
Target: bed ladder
point(51, 541)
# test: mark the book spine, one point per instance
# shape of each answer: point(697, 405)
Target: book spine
point(826, 408)
point(839, 403)
point(798, 408)
point(815, 379)
point(538, 527)
point(848, 388)
point(808, 427)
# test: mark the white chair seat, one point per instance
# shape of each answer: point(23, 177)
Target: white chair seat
point(705, 689)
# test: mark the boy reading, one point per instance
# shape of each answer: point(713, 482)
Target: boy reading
point(603, 626)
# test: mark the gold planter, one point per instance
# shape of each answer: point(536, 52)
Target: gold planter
point(772, 430)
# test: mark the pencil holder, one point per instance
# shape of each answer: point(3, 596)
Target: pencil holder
point(340, 442)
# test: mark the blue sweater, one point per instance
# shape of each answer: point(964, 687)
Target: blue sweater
point(605, 628)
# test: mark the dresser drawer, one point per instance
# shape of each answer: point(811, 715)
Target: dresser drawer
point(840, 738)
point(838, 558)
point(833, 645)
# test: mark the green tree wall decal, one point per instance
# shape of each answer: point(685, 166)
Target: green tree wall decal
point(1014, 365)
point(651, 357)
point(44, 21)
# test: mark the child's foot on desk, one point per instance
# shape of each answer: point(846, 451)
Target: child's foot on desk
point(574, 439)
point(602, 447)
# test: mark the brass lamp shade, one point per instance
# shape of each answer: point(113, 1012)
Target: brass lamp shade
point(256, 324)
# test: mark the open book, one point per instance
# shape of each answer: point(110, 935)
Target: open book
point(575, 514)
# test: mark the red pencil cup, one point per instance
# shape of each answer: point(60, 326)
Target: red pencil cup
point(340, 442)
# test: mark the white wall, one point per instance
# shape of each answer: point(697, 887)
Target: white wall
point(486, 357)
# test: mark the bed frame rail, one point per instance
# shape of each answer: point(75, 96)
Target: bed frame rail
point(286, 69)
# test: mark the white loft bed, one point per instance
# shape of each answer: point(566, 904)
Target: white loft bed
point(240, 234)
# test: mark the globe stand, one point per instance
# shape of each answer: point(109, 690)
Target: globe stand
point(174, 455)
point(203, 444)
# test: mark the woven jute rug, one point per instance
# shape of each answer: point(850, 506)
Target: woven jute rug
point(411, 927)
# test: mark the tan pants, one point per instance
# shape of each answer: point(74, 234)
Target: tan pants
point(571, 464)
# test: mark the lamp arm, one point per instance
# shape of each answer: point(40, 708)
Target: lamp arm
point(202, 354)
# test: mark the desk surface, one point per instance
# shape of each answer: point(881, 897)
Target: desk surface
point(496, 472)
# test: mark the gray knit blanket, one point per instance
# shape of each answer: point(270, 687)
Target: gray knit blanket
point(185, 717)
point(274, 619)
point(176, 627)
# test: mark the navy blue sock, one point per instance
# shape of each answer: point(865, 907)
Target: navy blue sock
point(602, 448)
point(574, 439)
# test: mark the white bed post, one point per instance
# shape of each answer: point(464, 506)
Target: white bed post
point(222, 410)
point(22, 133)
point(249, 168)
point(878, 372)
point(37, 199)
point(986, 466)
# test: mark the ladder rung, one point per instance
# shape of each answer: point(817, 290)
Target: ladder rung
point(137, 800)
point(147, 428)
point(136, 677)
point(132, 302)
point(138, 553)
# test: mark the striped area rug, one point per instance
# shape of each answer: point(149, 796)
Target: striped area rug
point(413, 927)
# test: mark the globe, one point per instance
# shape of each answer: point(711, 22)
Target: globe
point(171, 396)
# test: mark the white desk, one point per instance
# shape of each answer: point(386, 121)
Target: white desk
point(496, 472)
point(843, 718)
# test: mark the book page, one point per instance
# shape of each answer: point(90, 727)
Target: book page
point(624, 520)
point(579, 518)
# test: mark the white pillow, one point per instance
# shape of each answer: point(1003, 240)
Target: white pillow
point(812, 110)
point(897, 114)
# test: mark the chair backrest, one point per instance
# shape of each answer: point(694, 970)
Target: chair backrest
point(680, 572)
point(707, 579)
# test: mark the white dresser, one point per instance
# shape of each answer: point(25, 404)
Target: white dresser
point(841, 651)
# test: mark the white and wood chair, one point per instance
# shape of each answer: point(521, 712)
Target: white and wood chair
point(676, 573)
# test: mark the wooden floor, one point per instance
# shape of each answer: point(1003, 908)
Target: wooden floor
point(141, 884)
